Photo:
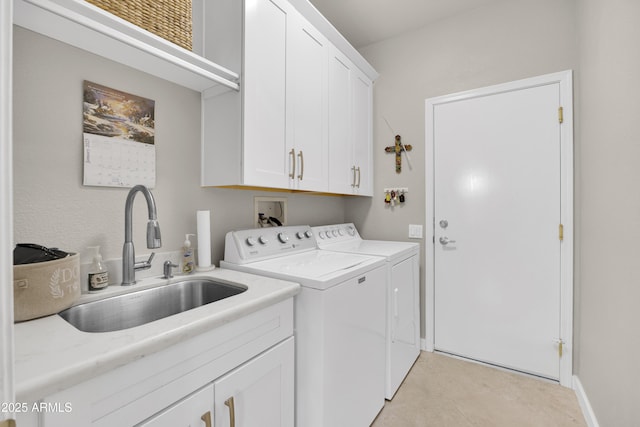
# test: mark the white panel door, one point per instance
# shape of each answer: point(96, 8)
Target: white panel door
point(497, 212)
point(307, 104)
point(361, 133)
point(259, 393)
point(341, 172)
point(193, 411)
point(265, 156)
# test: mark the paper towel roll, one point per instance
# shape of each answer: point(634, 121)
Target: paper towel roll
point(204, 240)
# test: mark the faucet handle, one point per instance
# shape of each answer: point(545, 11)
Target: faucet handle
point(144, 265)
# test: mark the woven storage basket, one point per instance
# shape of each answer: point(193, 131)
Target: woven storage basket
point(44, 288)
point(169, 19)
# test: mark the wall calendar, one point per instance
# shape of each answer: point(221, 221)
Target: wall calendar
point(118, 134)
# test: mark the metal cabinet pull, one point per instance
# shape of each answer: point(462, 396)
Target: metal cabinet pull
point(358, 169)
point(301, 165)
point(353, 181)
point(292, 171)
point(206, 417)
point(232, 411)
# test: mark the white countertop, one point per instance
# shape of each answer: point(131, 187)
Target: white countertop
point(52, 355)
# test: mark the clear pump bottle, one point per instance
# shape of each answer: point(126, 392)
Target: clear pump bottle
point(188, 262)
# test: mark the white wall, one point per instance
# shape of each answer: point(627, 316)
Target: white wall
point(53, 208)
point(608, 210)
point(498, 43)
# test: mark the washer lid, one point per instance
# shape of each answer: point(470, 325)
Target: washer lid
point(317, 269)
point(387, 249)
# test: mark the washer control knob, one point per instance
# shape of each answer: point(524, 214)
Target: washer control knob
point(335, 233)
point(300, 235)
point(322, 235)
point(308, 234)
point(283, 237)
point(340, 232)
point(251, 241)
point(351, 230)
point(263, 240)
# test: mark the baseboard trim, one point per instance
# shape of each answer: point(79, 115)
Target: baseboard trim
point(583, 400)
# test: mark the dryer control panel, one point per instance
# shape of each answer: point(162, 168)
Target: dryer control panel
point(256, 244)
point(336, 233)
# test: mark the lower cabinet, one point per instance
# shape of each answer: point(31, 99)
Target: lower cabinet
point(259, 393)
point(240, 374)
point(256, 394)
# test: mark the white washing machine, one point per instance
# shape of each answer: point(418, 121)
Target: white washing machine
point(339, 321)
point(403, 304)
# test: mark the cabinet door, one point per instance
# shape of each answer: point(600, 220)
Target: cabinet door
point(193, 411)
point(259, 393)
point(265, 156)
point(341, 167)
point(307, 104)
point(361, 133)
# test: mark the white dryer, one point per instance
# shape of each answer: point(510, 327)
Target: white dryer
point(339, 321)
point(403, 304)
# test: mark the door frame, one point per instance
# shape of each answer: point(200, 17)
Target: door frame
point(7, 391)
point(565, 80)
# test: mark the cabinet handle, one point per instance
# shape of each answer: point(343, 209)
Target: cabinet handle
point(232, 411)
point(301, 165)
point(292, 173)
point(206, 417)
point(358, 169)
point(353, 181)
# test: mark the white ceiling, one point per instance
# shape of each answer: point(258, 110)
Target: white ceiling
point(363, 22)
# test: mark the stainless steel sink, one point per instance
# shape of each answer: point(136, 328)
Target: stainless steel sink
point(144, 306)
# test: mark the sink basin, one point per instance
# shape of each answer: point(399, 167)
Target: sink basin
point(144, 306)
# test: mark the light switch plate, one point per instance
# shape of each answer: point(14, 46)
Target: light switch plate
point(415, 231)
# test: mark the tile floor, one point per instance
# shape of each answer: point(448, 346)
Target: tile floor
point(442, 391)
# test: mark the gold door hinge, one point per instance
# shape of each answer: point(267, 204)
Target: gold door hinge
point(561, 232)
point(560, 348)
point(560, 343)
point(560, 115)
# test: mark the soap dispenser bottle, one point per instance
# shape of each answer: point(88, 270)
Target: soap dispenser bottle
point(188, 263)
point(98, 276)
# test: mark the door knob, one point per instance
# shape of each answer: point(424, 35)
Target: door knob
point(444, 223)
point(444, 240)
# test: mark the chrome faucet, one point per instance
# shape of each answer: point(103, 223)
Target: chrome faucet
point(129, 264)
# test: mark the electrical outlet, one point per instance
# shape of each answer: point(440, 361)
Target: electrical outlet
point(415, 231)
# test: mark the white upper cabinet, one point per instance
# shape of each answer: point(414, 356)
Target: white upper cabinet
point(307, 130)
point(350, 128)
point(264, 105)
point(274, 133)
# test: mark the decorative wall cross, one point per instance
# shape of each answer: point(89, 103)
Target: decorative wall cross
point(398, 148)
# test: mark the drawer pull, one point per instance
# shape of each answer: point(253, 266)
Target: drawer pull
point(232, 411)
point(292, 169)
point(206, 417)
point(301, 156)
